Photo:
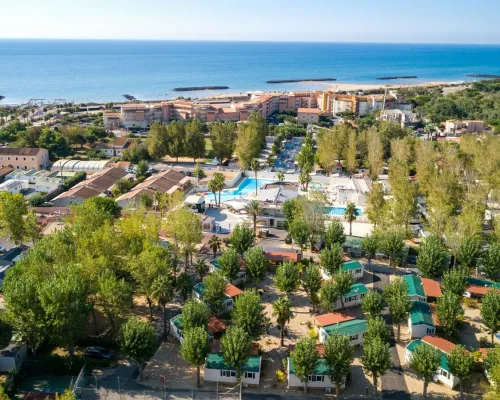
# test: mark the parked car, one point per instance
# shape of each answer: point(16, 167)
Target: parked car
point(3, 249)
point(98, 353)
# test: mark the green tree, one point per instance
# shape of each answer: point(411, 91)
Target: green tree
point(138, 341)
point(305, 158)
point(491, 266)
point(455, 280)
point(350, 214)
point(311, 283)
point(328, 295)
point(195, 349)
point(122, 186)
point(114, 296)
point(242, 238)
point(215, 292)
point(13, 209)
point(248, 314)
point(247, 145)
point(201, 267)
point(376, 328)
point(299, 231)
point(376, 359)
point(375, 203)
point(343, 280)
point(331, 259)
point(461, 364)
point(142, 169)
point(176, 139)
point(338, 357)
point(490, 311)
point(372, 303)
point(255, 264)
point(304, 358)
point(431, 257)
point(370, 245)
point(375, 155)
point(223, 137)
point(217, 184)
point(195, 314)
point(198, 173)
point(287, 277)
point(229, 263)
point(255, 166)
point(236, 348)
point(469, 251)
point(282, 310)
point(215, 244)
point(185, 226)
point(425, 360)
point(449, 312)
point(162, 291)
point(64, 299)
point(184, 285)
point(396, 295)
point(254, 209)
point(195, 140)
point(392, 244)
point(334, 234)
point(157, 140)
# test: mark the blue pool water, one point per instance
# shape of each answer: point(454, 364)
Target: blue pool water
point(246, 187)
point(339, 211)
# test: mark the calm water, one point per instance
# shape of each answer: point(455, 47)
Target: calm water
point(105, 70)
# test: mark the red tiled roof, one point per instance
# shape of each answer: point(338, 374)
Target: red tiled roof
point(309, 110)
point(332, 318)
point(215, 325)
point(439, 343)
point(480, 290)
point(431, 288)
point(232, 291)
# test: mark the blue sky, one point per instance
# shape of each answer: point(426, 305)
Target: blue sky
point(422, 21)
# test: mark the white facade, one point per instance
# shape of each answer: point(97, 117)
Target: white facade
point(228, 376)
point(13, 361)
point(13, 186)
point(313, 381)
point(354, 340)
point(443, 376)
point(420, 330)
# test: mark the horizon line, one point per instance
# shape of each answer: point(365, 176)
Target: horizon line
point(250, 41)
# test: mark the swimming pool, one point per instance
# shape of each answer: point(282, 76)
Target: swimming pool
point(339, 211)
point(246, 187)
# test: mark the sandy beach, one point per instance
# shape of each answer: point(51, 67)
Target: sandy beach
point(346, 87)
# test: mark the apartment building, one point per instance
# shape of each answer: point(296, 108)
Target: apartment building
point(24, 158)
point(457, 127)
point(142, 115)
point(335, 103)
point(308, 115)
point(403, 117)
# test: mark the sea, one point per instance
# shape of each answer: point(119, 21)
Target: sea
point(105, 70)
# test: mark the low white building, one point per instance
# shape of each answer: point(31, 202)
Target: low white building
point(318, 380)
point(416, 290)
point(13, 186)
point(231, 293)
point(354, 328)
point(12, 356)
point(353, 266)
point(444, 348)
point(421, 321)
point(216, 370)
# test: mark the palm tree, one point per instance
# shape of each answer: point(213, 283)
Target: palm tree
point(212, 186)
point(281, 176)
point(254, 165)
point(350, 214)
point(215, 244)
point(220, 183)
point(201, 267)
point(304, 179)
point(198, 173)
point(282, 310)
point(254, 209)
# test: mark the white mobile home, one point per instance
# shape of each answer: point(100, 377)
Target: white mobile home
point(216, 370)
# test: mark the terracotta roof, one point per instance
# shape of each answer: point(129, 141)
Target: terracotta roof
point(332, 318)
point(442, 344)
point(215, 325)
point(120, 141)
point(434, 315)
point(20, 151)
point(309, 110)
point(281, 254)
point(5, 170)
point(479, 290)
point(431, 288)
point(232, 291)
point(81, 192)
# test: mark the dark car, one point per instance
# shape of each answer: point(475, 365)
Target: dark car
point(98, 352)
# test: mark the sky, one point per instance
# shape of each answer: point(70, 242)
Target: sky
point(394, 21)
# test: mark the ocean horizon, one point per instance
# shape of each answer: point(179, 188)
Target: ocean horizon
point(104, 70)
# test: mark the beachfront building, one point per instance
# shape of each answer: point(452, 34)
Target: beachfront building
point(215, 328)
point(231, 293)
point(24, 158)
point(308, 115)
point(444, 348)
point(421, 321)
point(140, 115)
point(360, 105)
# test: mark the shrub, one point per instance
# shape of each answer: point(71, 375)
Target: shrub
point(470, 303)
point(312, 334)
point(280, 375)
point(70, 182)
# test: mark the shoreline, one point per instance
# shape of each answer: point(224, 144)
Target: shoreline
point(331, 86)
